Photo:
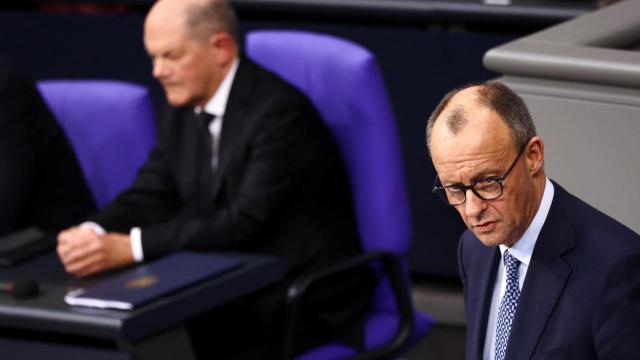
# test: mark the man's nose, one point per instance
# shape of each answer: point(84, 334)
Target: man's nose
point(160, 69)
point(474, 206)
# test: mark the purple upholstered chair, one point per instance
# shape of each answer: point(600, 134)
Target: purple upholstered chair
point(343, 81)
point(111, 127)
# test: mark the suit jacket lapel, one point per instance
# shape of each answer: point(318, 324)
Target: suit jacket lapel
point(230, 135)
point(484, 290)
point(545, 281)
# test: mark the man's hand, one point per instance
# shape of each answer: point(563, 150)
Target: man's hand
point(83, 252)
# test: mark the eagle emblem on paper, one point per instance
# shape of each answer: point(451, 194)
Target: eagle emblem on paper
point(142, 282)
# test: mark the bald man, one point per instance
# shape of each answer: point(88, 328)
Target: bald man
point(243, 162)
point(545, 275)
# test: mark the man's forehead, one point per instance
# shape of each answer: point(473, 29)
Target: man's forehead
point(467, 120)
point(166, 14)
point(163, 34)
point(483, 130)
point(460, 161)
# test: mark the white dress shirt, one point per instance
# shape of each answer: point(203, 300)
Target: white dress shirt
point(521, 250)
point(216, 107)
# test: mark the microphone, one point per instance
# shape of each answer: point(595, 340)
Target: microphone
point(20, 289)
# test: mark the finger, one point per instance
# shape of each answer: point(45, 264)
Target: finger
point(73, 238)
point(82, 248)
point(67, 235)
point(62, 250)
point(86, 266)
point(79, 252)
point(69, 250)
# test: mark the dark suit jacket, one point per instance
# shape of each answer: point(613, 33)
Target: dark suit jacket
point(280, 187)
point(581, 295)
point(41, 183)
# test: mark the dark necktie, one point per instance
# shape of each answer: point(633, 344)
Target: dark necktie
point(508, 305)
point(205, 153)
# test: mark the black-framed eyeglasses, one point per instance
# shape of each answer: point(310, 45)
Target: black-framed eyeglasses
point(486, 189)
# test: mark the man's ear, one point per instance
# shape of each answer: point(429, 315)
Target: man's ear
point(534, 154)
point(223, 46)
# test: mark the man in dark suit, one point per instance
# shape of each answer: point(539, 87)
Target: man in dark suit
point(41, 184)
point(545, 275)
point(243, 162)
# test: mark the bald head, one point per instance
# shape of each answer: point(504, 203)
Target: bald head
point(199, 18)
point(457, 109)
point(167, 12)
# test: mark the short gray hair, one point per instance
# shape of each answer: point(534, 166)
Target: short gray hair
point(495, 96)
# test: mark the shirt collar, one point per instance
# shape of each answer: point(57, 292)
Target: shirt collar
point(218, 102)
point(523, 248)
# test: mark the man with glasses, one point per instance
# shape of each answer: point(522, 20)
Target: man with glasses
point(545, 275)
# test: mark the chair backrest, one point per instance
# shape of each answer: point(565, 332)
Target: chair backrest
point(111, 127)
point(343, 81)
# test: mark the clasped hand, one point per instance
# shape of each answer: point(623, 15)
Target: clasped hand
point(84, 252)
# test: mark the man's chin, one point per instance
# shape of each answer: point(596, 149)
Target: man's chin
point(176, 100)
point(488, 240)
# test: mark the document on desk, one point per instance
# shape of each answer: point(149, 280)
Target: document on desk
point(149, 281)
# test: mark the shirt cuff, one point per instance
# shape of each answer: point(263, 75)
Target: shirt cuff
point(136, 244)
point(99, 230)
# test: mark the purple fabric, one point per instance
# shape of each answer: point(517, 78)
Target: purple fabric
point(343, 81)
point(110, 125)
point(379, 328)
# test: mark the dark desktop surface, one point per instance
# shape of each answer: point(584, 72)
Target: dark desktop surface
point(424, 48)
point(47, 312)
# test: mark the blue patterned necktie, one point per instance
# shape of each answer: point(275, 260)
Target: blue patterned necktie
point(508, 305)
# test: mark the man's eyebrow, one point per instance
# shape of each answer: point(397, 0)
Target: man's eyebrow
point(485, 174)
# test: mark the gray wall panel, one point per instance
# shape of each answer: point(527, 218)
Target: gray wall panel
point(583, 89)
point(591, 145)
